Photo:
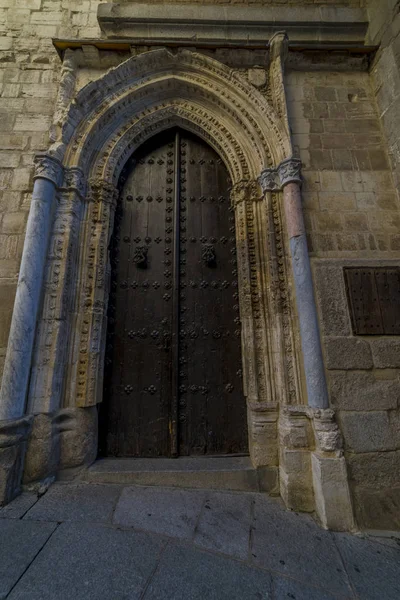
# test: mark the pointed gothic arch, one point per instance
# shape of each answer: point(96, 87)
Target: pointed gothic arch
point(102, 127)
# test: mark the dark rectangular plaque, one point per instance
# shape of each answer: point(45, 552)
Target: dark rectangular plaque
point(374, 299)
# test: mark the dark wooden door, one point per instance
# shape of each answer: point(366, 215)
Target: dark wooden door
point(173, 379)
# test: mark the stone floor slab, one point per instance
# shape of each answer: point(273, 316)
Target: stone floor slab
point(20, 543)
point(76, 503)
point(193, 574)
point(172, 511)
point(91, 562)
point(19, 506)
point(286, 589)
point(224, 525)
point(294, 545)
point(374, 569)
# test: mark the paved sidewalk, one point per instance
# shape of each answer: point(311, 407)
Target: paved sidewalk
point(116, 542)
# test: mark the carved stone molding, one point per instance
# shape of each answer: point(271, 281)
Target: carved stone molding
point(48, 167)
point(327, 434)
point(245, 191)
point(74, 179)
point(269, 180)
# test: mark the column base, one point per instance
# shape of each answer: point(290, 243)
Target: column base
point(332, 493)
point(13, 444)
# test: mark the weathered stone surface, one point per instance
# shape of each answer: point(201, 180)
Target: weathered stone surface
point(224, 524)
point(331, 298)
point(78, 430)
point(172, 513)
point(376, 470)
point(13, 436)
point(347, 354)
point(20, 544)
point(295, 479)
point(369, 432)
point(75, 503)
point(94, 561)
point(377, 509)
point(331, 492)
point(43, 451)
point(202, 575)
point(374, 571)
point(386, 353)
point(362, 391)
point(312, 558)
point(19, 506)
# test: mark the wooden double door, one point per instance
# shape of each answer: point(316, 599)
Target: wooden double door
point(173, 368)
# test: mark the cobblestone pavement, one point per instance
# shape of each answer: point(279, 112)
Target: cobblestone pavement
point(119, 542)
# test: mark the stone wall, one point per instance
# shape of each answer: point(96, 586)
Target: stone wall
point(29, 75)
point(352, 218)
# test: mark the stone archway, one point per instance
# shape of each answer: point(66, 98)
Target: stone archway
point(104, 125)
point(61, 361)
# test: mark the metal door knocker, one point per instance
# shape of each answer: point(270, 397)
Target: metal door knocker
point(140, 256)
point(208, 255)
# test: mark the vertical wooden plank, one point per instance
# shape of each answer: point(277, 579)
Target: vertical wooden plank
point(175, 304)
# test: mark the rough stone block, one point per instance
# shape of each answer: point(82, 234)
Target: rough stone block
point(78, 430)
point(340, 201)
point(347, 353)
point(377, 509)
point(363, 391)
point(43, 452)
point(296, 480)
point(13, 436)
point(14, 222)
point(368, 432)
point(332, 301)
point(386, 353)
point(331, 492)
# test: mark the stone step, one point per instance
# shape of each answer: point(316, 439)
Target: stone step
point(222, 473)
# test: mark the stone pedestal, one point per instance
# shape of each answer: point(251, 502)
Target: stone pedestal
point(13, 441)
point(331, 491)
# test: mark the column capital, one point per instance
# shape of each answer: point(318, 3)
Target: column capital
point(269, 180)
point(48, 167)
point(290, 171)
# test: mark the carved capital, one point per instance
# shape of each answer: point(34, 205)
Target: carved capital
point(103, 191)
point(290, 171)
point(327, 434)
point(74, 179)
point(245, 191)
point(269, 180)
point(48, 167)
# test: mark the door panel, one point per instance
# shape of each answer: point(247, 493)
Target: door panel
point(173, 363)
point(139, 369)
point(212, 416)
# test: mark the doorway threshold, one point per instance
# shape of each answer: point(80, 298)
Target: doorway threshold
point(222, 473)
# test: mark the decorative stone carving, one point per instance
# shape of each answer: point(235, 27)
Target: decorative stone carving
point(290, 171)
point(278, 51)
point(48, 167)
point(74, 179)
point(269, 180)
point(327, 434)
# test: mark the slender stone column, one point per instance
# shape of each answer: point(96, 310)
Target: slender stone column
point(290, 179)
point(23, 325)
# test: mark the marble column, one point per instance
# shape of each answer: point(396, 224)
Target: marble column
point(287, 177)
point(48, 171)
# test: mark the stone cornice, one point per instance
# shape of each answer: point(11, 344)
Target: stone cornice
point(289, 171)
point(230, 24)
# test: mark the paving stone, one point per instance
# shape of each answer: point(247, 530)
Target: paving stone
point(295, 545)
point(374, 569)
point(76, 503)
point(20, 543)
point(224, 525)
point(91, 561)
point(284, 589)
point(192, 574)
point(170, 511)
point(18, 507)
